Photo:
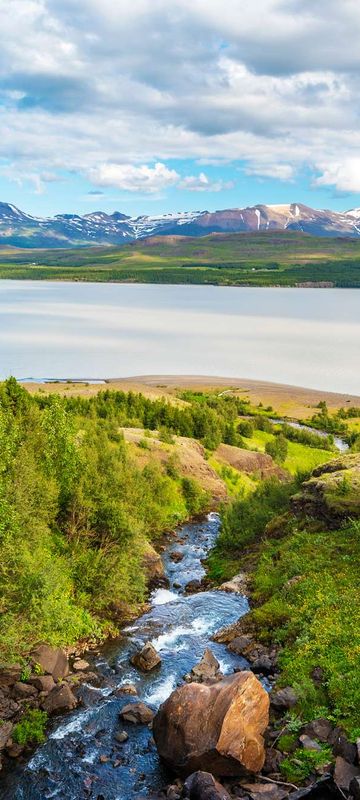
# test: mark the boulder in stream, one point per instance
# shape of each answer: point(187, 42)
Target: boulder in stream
point(208, 669)
point(147, 658)
point(215, 727)
point(137, 713)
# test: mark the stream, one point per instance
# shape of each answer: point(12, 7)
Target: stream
point(68, 766)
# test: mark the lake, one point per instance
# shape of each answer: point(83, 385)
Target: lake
point(305, 337)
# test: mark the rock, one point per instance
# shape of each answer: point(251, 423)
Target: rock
point(127, 688)
point(308, 743)
point(322, 496)
point(176, 556)
point(14, 750)
point(104, 759)
point(272, 761)
point(324, 789)
point(117, 763)
point(23, 690)
point(147, 659)
point(358, 750)
point(193, 586)
point(320, 729)
point(59, 699)
point(266, 791)
point(121, 737)
point(240, 644)
point(44, 683)
point(80, 665)
point(208, 668)
point(344, 773)
point(8, 707)
point(355, 788)
point(5, 733)
point(237, 585)
point(153, 566)
point(52, 660)
point(9, 676)
point(283, 698)
point(203, 786)
point(137, 713)
point(342, 747)
point(217, 727)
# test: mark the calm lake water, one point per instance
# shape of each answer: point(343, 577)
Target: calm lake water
point(305, 337)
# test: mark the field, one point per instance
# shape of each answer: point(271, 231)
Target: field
point(256, 259)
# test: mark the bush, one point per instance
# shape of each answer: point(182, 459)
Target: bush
point(31, 728)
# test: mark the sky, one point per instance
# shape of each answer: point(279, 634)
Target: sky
point(151, 106)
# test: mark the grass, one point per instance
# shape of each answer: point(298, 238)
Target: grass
point(300, 458)
point(236, 259)
point(237, 483)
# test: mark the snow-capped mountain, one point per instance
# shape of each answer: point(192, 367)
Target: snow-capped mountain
point(98, 228)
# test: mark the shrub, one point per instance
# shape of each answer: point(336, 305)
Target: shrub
point(31, 728)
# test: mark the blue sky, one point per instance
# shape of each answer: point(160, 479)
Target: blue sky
point(149, 107)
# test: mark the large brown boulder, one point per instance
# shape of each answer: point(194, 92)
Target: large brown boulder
point(52, 661)
point(216, 728)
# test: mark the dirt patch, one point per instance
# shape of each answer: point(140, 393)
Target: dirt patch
point(249, 461)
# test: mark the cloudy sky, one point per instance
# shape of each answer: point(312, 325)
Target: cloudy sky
point(151, 105)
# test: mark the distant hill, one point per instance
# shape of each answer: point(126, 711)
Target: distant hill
point(19, 229)
point(275, 258)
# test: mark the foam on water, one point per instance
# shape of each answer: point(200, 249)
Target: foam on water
point(163, 596)
point(161, 692)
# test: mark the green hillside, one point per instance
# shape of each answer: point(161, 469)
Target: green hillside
point(256, 259)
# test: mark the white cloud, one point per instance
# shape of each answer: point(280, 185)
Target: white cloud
point(282, 172)
point(201, 183)
point(342, 175)
point(144, 179)
point(81, 83)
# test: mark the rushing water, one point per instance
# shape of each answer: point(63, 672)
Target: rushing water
point(304, 337)
point(68, 766)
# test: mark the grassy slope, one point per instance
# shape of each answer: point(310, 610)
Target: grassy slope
point(261, 259)
point(299, 458)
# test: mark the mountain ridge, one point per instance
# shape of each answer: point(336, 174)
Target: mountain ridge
point(19, 229)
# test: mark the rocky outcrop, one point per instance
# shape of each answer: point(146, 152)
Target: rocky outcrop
point(217, 727)
point(147, 658)
point(332, 494)
point(153, 567)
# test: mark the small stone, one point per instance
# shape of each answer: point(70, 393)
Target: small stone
point(320, 729)
point(5, 733)
point(127, 688)
point(308, 743)
point(80, 665)
point(121, 737)
point(24, 690)
point(44, 683)
point(283, 698)
point(104, 759)
point(14, 750)
point(117, 763)
point(176, 556)
point(344, 773)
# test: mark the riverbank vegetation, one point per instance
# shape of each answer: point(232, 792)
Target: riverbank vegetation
point(255, 259)
point(300, 543)
point(77, 518)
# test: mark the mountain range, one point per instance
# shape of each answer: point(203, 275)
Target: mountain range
point(19, 229)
